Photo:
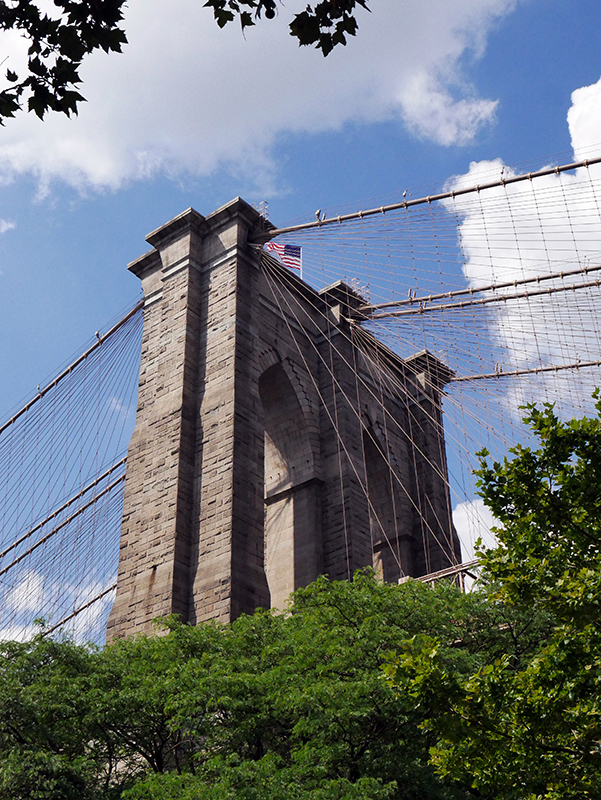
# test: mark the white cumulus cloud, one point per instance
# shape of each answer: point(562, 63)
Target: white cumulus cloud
point(5, 225)
point(584, 121)
point(188, 97)
point(473, 520)
point(543, 227)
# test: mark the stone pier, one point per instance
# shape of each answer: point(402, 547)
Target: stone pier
point(275, 439)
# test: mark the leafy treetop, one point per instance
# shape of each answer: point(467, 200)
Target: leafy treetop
point(530, 730)
point(271, 707)
point(58, 44)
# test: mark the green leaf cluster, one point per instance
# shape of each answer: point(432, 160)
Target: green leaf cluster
point(325, 25)
point(531, 729)
point(58, 43)
point(295, 705)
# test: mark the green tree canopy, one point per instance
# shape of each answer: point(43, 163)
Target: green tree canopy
point(531, 729)
point(59, 41)
point(361, 691)
point(271, 707)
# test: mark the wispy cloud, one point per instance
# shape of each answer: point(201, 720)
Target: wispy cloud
point(187, 97)
point(5, 225)
point(39, 596)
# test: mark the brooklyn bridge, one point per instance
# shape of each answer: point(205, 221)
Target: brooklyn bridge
point(266, 414)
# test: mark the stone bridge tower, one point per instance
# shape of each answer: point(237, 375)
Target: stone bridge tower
point(268, 421)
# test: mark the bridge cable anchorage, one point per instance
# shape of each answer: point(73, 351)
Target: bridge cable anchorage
point(483, 301)
point(99, 341)
point(262, 238)
point(410, 301)
point(62, 525)
point(79, 610)
point(63, 507)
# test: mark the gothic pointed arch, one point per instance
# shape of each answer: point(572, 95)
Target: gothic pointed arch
point(388, 512)
point(292, 489)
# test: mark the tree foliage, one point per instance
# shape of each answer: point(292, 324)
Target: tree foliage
point(59, 41)
point(271, 707)
point(361, 691)
point(531, 730)
point(325, 25)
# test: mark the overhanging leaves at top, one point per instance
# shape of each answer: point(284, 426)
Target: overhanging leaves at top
point(59, 41)
point(57, 46)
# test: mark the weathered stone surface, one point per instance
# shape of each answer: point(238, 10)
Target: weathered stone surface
point(265, 428)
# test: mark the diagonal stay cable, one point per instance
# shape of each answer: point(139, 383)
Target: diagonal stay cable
point(268, 263)
point(65, 522)
point(388, 378)
point(71, 367)
point(280, 273)
point(272, 284)
point(64, 506)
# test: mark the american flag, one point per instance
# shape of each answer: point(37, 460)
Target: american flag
point(289, 254)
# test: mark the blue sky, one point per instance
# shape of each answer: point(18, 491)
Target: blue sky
point(196, 119)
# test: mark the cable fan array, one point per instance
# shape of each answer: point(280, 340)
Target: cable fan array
point(62, 469)
point(499, 281)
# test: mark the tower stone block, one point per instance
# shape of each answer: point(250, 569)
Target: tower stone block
point(276, 439)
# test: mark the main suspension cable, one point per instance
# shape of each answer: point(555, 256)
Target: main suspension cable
point(265, 236)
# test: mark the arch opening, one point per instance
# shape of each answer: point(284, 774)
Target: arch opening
point(391, 533)
point(292, 490)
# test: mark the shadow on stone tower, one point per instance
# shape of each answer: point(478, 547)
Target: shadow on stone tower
point(276, 439)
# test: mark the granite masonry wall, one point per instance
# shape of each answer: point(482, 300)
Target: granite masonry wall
point(267, 420)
